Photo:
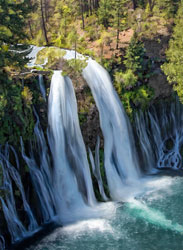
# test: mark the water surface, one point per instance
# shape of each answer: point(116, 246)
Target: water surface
point(151, 221)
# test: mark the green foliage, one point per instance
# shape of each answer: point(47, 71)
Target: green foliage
point(134, 58)
point(76, 65)
point(173, 67)
point(104, 12)
point(82, 118)
point(27, 96)
point(51, 55)
point(137, 98)
point(105, 39)
point(131, 84)
point(16, 118)
point(92, 28)
point(110, 64)
point(119, 20)
point(148, 29)
point(12, 20)
point(103, 174)
point(166, 8)
point(125, 80)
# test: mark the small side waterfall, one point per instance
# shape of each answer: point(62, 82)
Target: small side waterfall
point(41, 174)
point(160, 136)
point(148, 158)
point(42, 87)
point(15, 226)
point(120, 155)
point(41, 177)
point(96, 169)
point(2, 242)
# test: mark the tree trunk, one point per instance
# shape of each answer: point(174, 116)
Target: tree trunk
point(30, 28)
point(101, 51)
point(96, 4)
point(75, 46)
point(90, 7)
point(43, 23)
point(65, 27)
point(151, 4)
point(134, 4)
point(46, 10)
point(118, 27)
point(82, 14)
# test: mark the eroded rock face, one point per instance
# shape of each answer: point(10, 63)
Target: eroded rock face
point(156, 51)
point(158, 82)
point(91, 128)
point(88, 116)
point(156, 47)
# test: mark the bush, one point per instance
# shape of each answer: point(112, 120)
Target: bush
point(50, 54)
point(173, 67)
point(125, 80)
point(134, 58)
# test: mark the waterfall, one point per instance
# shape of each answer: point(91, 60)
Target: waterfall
point(143, 135)
point(96, 169)
point(42, 87)
point(72, 179)
point(160, 135)
point(41, 177)
point(2, 243)
point(63, 183)
point(119, 151)
point(33, 55)
point(15, 226)
point(41, 174)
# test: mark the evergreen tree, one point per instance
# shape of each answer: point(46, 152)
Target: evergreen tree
point(168, 8)
point(173, 67)
point(134, 58)
point(119, 17)
point(12, 20)
point(104, 12)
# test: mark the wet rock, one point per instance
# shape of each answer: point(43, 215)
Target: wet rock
point(91, 128)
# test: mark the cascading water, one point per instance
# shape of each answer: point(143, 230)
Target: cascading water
point(41, 175)
point(96, 169)
point(2, 242)
point(120, 155)
point(72, 178)
point(16, 228)
point(42, 87)
point(148, 158)
point(33, 55)
point(160, 134)
point(65, 191)
point(42, 181)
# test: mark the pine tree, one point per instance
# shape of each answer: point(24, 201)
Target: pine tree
point(104, 12)
point(119, 17)
point(173, 67)
point(12, 20)
point(167, 7)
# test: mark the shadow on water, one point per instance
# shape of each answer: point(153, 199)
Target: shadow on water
point(35, 238)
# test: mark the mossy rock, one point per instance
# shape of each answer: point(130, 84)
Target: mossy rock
point(49, 55)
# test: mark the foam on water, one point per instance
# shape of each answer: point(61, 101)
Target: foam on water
point(100, 225)
point(153, 216)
